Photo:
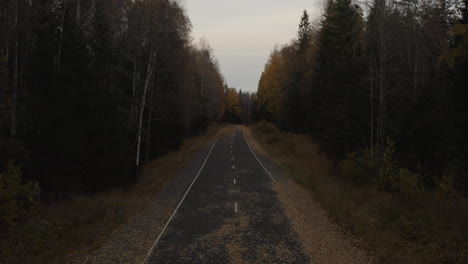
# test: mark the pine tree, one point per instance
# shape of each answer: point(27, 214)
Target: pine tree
point(304, 33)
point(337, 97)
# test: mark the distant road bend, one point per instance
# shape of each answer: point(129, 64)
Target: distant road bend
point(228, 214)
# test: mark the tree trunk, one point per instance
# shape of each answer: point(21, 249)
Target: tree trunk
point(382, 106)
point(78, 12)
point(14, 91)
point(7, 72)
point(142, 108)
point(150, 119)
point(371, 106)
point(134, 85)
point(416, 93)
point(62, 23)
point(148, 129)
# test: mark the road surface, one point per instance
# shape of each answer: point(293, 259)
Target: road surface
point(229, 214)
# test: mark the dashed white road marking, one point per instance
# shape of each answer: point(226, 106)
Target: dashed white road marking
point(234, 181)
point(233, 168)
point(235, 207)
point(178, 205)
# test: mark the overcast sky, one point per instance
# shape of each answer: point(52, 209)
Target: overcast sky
point(243, 32)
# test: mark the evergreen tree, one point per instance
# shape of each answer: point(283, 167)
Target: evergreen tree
point(304, 32)
point(337, 98)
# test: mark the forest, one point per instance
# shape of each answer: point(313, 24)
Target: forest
point(370, 102)
point(91, 90)
point(382, 86)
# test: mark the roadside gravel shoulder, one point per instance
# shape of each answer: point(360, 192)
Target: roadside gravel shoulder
point(322, 240)
point(131, 242)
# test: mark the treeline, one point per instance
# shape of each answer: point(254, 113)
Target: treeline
point(240, 106)
point(369, 75)
point(90, 90)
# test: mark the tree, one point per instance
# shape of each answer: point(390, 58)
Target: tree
point(337, 96)
point(403, 66)
point(304, 33)
point(97, 84)
point(233, 109)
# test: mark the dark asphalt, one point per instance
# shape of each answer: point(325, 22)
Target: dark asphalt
point(206, 227)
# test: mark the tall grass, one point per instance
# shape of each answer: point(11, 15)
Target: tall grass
point(59, 232)
point(402, 227)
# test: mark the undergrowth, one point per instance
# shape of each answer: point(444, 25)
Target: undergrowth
point(380, 202)
point(58, 232)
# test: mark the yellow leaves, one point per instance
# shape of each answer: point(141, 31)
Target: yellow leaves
point(275, 78)
point(232, 101)
point(286, 70)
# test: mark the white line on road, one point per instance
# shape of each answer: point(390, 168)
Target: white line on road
point(177, 208)
point(232, 158)
point(235, 207)
point(234, 181)
point(233, 168)
point(258, 159)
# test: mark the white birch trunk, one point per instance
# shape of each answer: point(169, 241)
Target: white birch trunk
point(62, 22)
point(142, 108)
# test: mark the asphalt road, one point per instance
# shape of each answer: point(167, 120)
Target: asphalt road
point(229, 214)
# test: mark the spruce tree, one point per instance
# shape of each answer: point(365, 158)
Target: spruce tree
point(304, 33)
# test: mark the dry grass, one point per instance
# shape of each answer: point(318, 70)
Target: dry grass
point(158, 171)
point(311, 221)
point(63, 231)
point(399, 228)
point(299, 156)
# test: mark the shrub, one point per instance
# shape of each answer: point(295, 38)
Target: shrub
point(15, 195)
point(388, 171)
point(358, 168)
point(453, 180)
point(269, 131)
point(446, 183)
point(266, 128)
point(290, 146)
point(393, 178)
point(408, 182)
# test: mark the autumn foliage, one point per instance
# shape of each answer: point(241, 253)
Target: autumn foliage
point(355, 78)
